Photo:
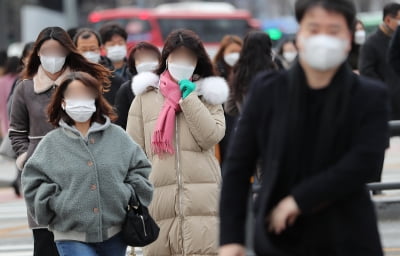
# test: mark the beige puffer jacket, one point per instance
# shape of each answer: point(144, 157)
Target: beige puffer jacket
point(186, 184)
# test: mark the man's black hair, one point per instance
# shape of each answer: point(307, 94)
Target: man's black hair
point(344, 7)
point(108, 30)
point(86, 33)
point(391, 10)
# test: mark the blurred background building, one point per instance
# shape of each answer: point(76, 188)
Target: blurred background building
point(20, 19)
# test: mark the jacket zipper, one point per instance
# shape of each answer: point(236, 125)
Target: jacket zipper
point(144, 226)
point(179, 176)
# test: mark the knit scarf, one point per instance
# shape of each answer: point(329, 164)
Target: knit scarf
point(164, 131)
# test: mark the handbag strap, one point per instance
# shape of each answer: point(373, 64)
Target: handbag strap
point(134, 201)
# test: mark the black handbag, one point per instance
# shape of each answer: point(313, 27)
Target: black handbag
point(139, 228)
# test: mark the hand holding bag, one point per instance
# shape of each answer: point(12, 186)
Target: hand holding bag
point(139, 228)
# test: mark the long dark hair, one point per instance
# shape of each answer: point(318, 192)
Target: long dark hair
point(75, 61)
point(103, 108)
point(190, 40)
point(256, 56)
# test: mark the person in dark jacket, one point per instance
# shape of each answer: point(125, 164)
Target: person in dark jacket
point(53, 57)
point(321, 133)
point(88, 43)
point(114, 40)
point(144, 57)
point(358, 41)
point(227, 56)
point(374, 61)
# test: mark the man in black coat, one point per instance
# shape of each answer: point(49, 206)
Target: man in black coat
point(320, 133)
point(88, 43)
point(374, 56)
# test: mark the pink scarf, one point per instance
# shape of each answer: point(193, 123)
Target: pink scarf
point(164, 131)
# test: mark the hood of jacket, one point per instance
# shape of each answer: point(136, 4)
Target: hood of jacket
point(94, 127)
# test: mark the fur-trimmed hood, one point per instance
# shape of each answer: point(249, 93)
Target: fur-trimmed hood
point(214, 90)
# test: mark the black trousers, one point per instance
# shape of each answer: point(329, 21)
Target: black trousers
point(44, 244)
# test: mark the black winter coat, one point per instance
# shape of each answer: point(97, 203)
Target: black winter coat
point(338, 216)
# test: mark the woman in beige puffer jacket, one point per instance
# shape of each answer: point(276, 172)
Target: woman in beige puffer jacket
point(187, 182)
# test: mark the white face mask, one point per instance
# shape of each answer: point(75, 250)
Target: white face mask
point(148, 66)
point(232, 58)
point(92, 56)
point(180, 70)
point(116, 53)
point(80, 110)
point(323, 52)
point(360, 37)
point(290, 56)
point(52, 64)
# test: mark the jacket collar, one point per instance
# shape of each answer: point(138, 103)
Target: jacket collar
point(213, 89)
point(41, 82)
point(95, 127)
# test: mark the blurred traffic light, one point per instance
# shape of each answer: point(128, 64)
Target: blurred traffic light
point(274, 33)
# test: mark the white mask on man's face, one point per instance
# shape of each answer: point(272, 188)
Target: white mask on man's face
point(92, 56)
point(116, 53)
point(323, 52)
point(180, 70)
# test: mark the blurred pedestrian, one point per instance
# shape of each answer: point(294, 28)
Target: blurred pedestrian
point(359, 38)
point(3, 61)
point(320, 132)
point(88, 43)
point(228, 55)
point(255, 57)
point(374, 60)
point(287, 53)
point(114, 37)
point(53, 57)
point(144, 57)
point(82, 175)
point(6, 83)
point(16, 184)
point(177, 118)
point(224, 61)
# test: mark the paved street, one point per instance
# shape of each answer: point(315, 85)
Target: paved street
point(16, 239)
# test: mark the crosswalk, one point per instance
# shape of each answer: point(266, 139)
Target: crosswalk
point(15, 235)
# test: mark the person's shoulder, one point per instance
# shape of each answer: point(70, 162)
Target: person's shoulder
point(371, 88)
point(268, 80)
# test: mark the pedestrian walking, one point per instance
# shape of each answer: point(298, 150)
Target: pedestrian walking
point(53, 57)
point(88, 43)
point(144, 57)
point(177, 118)
point(320, 133)
point(82, 174)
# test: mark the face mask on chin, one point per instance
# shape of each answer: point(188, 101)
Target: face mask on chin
point(323, 52)
point(80, 110)
point(180, 70)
